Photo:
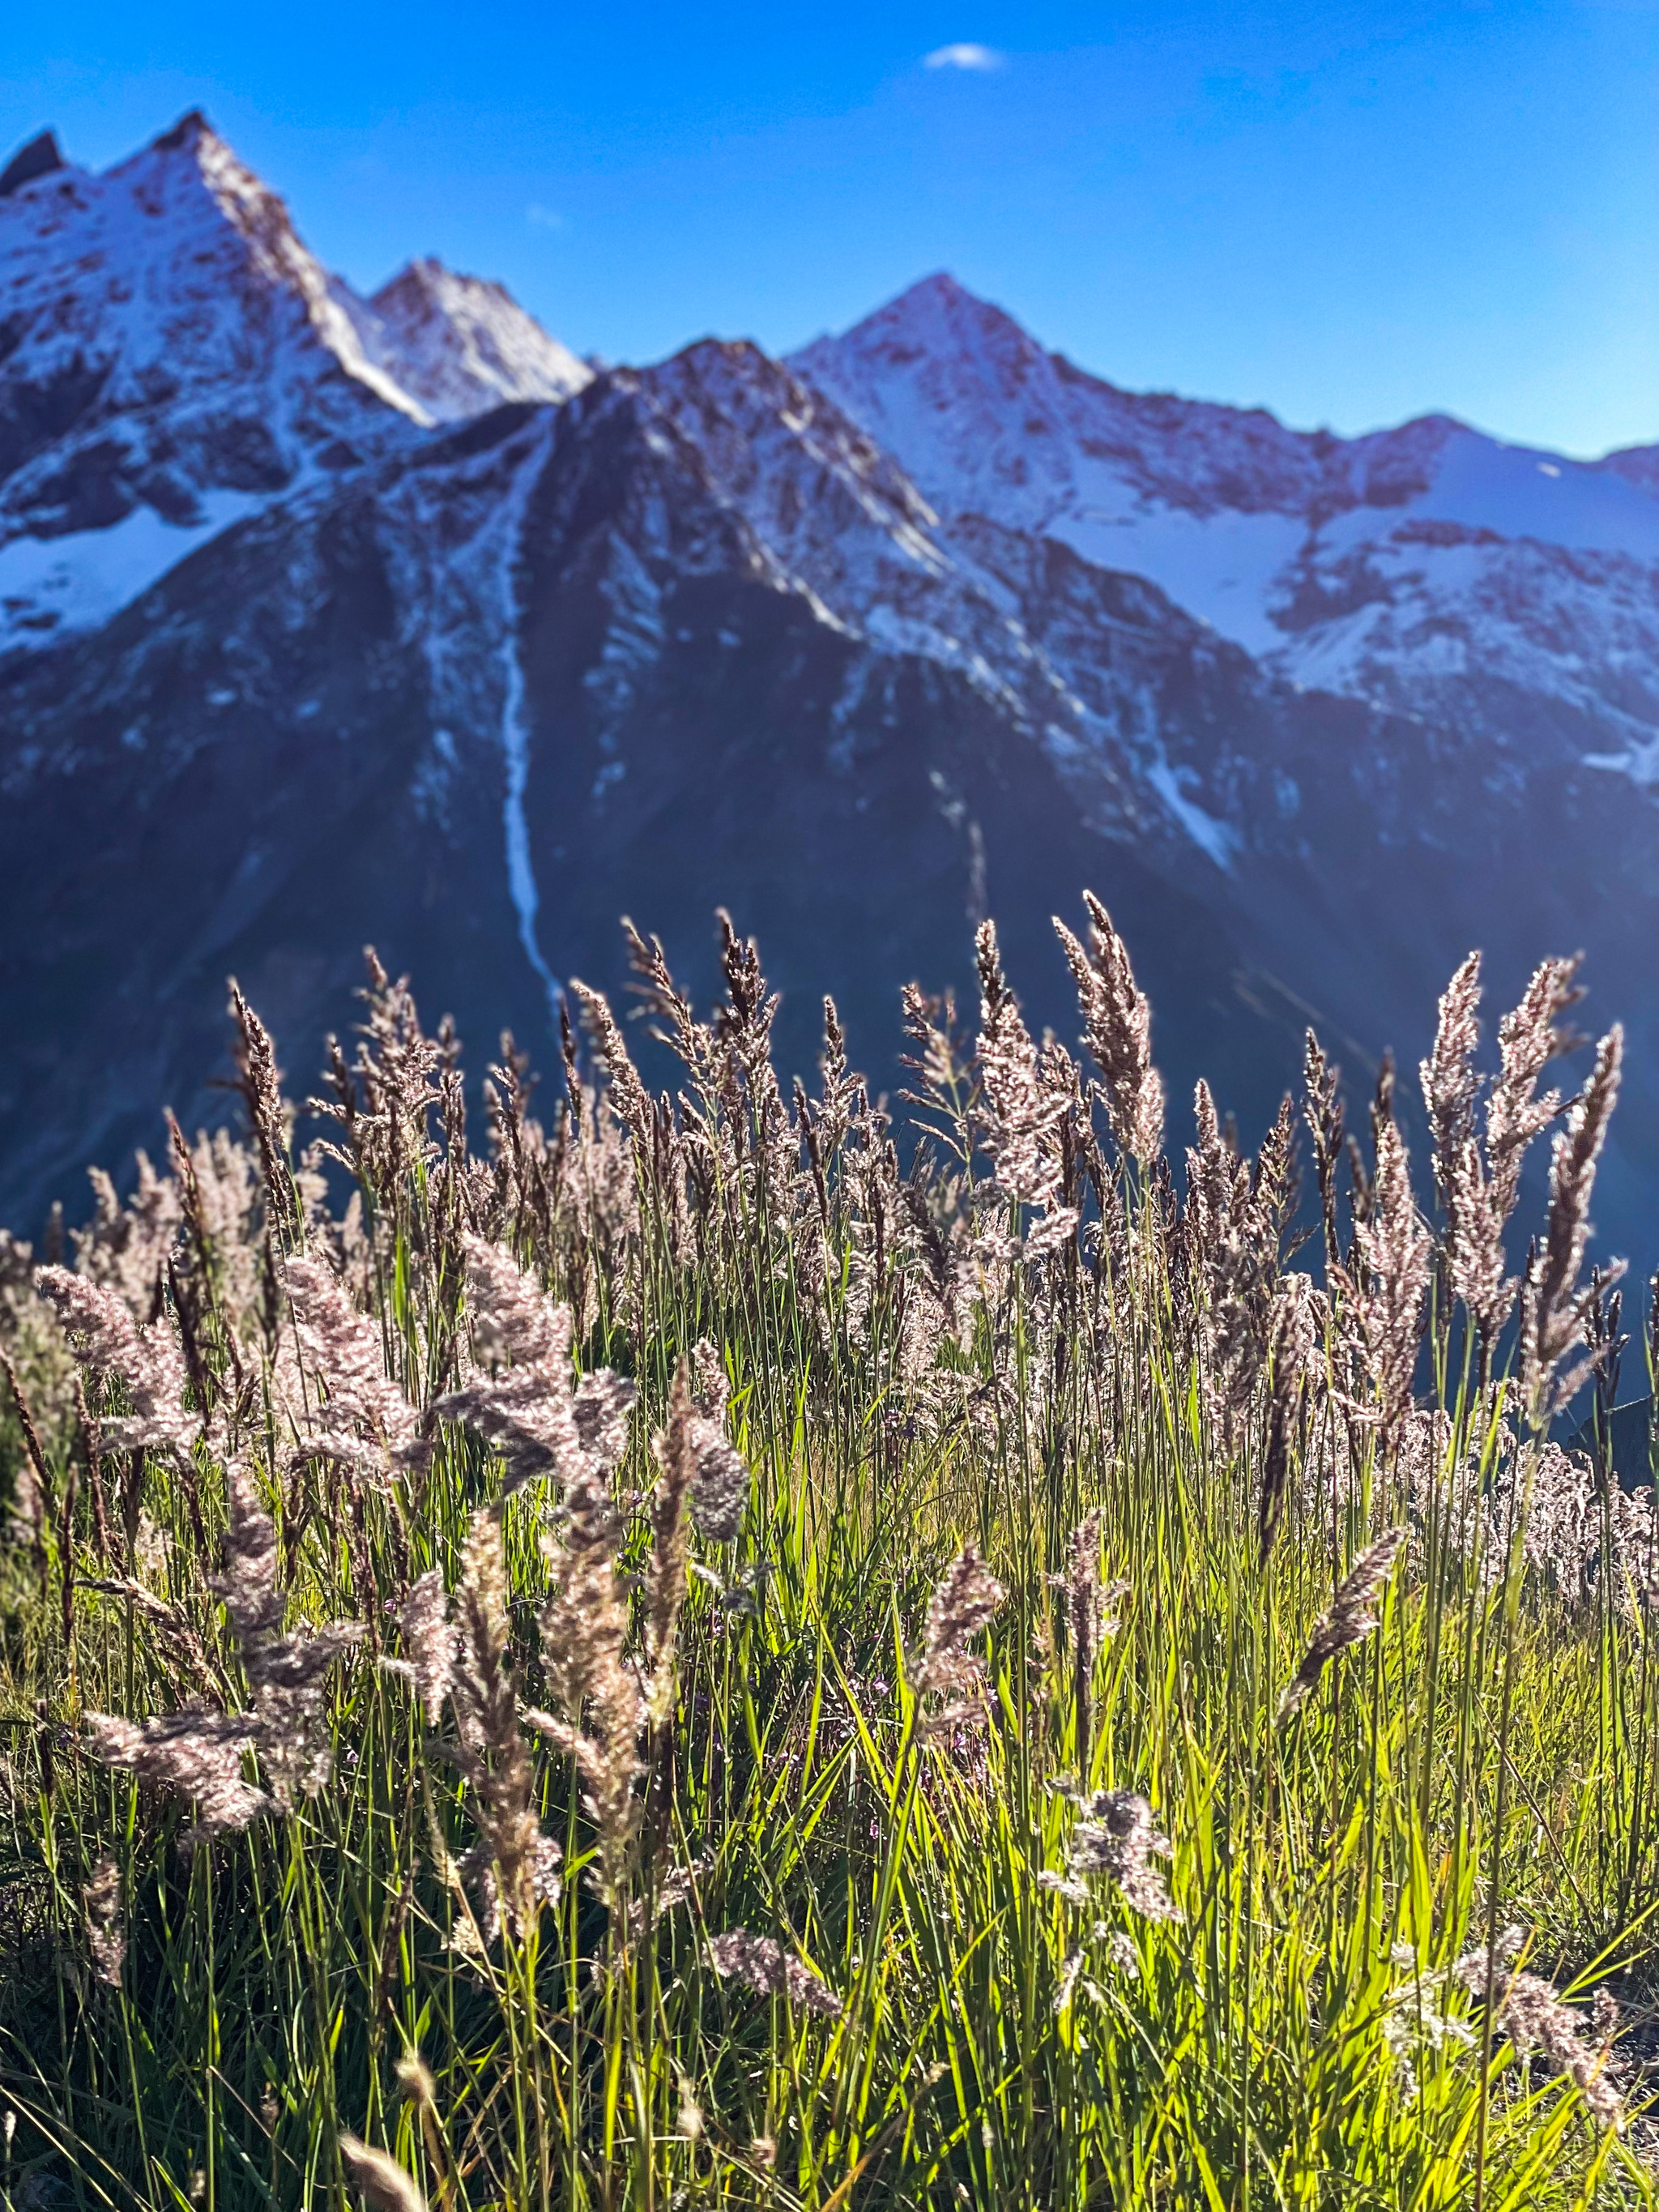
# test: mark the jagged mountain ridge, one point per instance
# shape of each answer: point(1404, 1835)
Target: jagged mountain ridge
point(698, 634)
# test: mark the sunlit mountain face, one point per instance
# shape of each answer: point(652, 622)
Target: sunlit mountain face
point(326, 620)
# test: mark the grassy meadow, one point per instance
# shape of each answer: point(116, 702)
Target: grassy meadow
point(749, 1649)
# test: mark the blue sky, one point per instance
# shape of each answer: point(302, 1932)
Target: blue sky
point(1348, 214)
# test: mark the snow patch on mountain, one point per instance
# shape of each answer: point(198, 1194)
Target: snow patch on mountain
point(515, 737)
point(1221, 568)
point(1220, 840)
point(50, 587)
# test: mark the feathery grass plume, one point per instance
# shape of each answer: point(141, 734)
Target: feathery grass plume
point(366, 1418)
point(1115, 1836)
point(601, 1406)
point(383, 1100)
point(217, 1179)
point(709, 1388)
point(770, 1971)
point(629, 1098)
point(1381, 1310)
point(937, 1061)
point(196, 1752)
point(378, 2179)
point(428, 1637)
point(415, 2080)
point(1479, 1195)
point(1082, 1586)
point(1232, 1224)
point(1118, 1030)
point(1449, 1078)
point(755, 1126)
point(1553, 1493)
point(1529, 2010)
point(107, 1931)
point(675, 1449)
point(130, 1248)
point(1353, 1614)
point(1217, 1183)
point(185, 1655)
point(1474, 1247)
point(678, 1028)
point(527, 1407)
point(584, 1636)
point(744, 1025)
point(1019, 1120)
point(1554, 1305)
point(1273, 1180)
point(963, 1604)
point(285, 1672)
point(147, 1363)
point(720, 1489)
point(838, 1086)
point(1528, 1039)
point(506, 1092)
point(1321, 1109)
point(259, 1080)
point(515, 1866)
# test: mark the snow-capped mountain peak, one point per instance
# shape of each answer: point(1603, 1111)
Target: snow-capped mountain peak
point(172, 290)
point(1423, 562)
point(172, 356)
point(457, 344)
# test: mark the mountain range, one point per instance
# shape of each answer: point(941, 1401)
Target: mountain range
point(326, 620)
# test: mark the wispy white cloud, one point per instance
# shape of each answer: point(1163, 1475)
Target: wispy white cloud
point(963, 54)
point(543, 218)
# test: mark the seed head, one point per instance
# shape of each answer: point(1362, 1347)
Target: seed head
point(196, 1752)
point(1555, 1307)
point(106, 1925)
point(1020, 1117)
point(1116, 1836)
point(1117, 1025)
point(1382, 1298)
point(1352, 1615)
point(1529, 2011)
point(148, 1363)
point(378, 2179)
point(962, 1607)
point(428, 1644)
point(771, 1970)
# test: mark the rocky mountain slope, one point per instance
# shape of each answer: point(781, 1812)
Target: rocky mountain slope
point(491, 648)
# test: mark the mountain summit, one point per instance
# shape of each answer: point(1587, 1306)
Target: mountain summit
point(460, 345)
point(172, 356)
point(325, 620)
point(1426, 568)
